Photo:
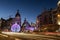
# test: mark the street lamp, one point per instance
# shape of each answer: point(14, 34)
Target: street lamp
point(58, 21)
point(58, 3)
point(58, 15)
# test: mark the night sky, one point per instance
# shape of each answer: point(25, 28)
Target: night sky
point(29, 9)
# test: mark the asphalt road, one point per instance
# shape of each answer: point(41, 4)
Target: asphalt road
point(26, 36)
point(5, 37)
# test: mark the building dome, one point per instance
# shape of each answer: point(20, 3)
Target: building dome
point(17, 14)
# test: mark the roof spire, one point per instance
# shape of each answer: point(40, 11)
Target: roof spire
point(17, 14)
point(18, 10)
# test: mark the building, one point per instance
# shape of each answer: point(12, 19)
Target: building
point(6, 24)
point(44, 18)
point(3, 24)
point(17, 18)
point(25, 25)
point(49, 20)
point(9, 23)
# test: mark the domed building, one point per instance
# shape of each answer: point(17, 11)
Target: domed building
point(17, 18)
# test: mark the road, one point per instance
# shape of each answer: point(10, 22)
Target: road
point(5, 37)
point(26, 36)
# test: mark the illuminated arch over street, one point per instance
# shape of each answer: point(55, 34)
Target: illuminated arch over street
point(15, 28)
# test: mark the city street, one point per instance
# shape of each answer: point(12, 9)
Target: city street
point(26, 36)
point(29, 19)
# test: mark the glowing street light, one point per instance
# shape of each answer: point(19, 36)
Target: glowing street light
point(58, 21)
point(58, 15)
point(58, 3)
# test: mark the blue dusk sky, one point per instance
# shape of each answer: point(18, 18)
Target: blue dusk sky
point(28, 9)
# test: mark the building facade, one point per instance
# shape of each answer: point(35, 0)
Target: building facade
point(6, 24)
point(49, 19)
point(25, 25)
